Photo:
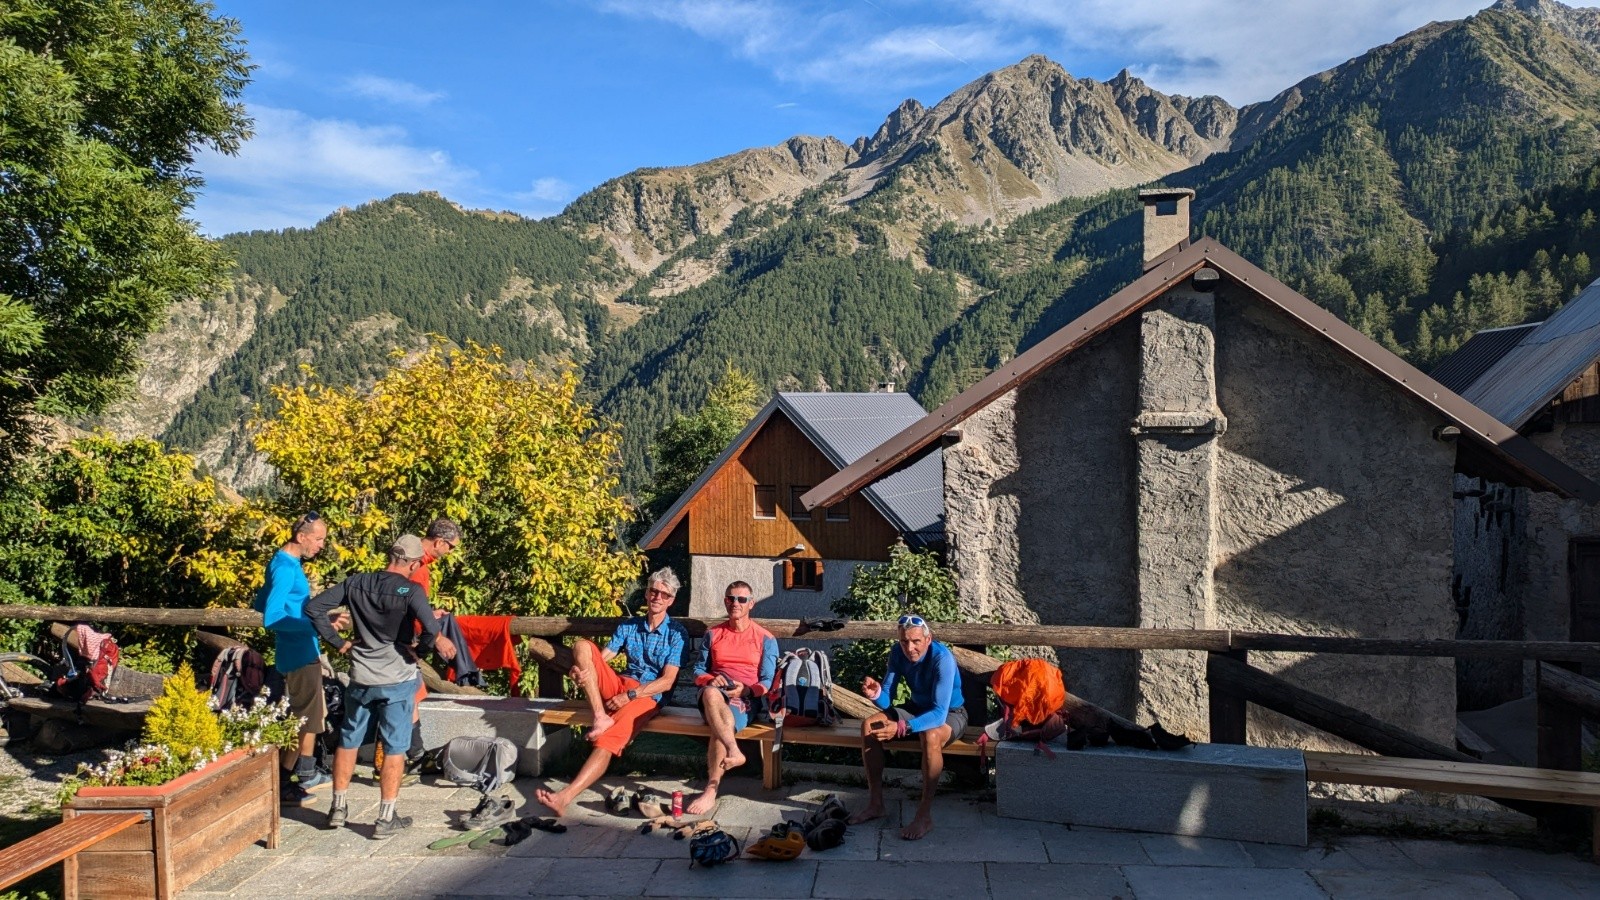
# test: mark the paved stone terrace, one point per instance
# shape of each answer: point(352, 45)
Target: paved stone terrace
point(972, 853)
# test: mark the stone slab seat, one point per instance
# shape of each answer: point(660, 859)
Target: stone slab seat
point(1482, 779)
point(1205, 790)
point(685, 721)
point(58, 842)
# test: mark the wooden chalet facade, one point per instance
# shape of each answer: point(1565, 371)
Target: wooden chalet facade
point(743, 520)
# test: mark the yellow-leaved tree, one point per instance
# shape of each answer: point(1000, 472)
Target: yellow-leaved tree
point(514, 457)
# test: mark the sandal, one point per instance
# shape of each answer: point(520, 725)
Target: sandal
point(487, 837)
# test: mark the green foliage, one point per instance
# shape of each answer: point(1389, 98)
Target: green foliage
point(106, 103)
point(914, 582)
point(513, 457)
point(683, 449)
point(144, 657)
point(182, 720)
point(124, 523)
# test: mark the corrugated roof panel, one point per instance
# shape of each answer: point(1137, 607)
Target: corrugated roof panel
point(1543, 363)
point(844, 426)
point(1460, 369)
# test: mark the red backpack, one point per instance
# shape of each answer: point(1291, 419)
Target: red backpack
point(85, 676)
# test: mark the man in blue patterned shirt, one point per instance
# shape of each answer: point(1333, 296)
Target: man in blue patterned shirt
point(654, 646)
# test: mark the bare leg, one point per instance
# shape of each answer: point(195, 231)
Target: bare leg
point(593, 768)
point(394, 768)
point(344, 767)
point(722, 753)
point(932, 768)
point(585, 656)
point(872, 761)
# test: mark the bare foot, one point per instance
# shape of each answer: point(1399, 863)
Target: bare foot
point(602, 724)
point(732, 761)
point(873, 811)
point(704, 803)
point(554, 801)
point(919, 827)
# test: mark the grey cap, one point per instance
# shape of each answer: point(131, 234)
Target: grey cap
point(407, 547)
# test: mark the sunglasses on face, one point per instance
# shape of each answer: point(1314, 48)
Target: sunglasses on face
point(449, 545)
point(657, 593)
point(913, 622)
point(734, 598)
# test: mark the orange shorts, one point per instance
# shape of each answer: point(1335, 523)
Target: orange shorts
point(630, 718)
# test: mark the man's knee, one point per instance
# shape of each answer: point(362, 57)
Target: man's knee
point(584, 651)
point(933, 740)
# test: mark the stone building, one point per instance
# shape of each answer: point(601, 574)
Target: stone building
point(742, 518)
point(1206, 448)
point(1528, 564)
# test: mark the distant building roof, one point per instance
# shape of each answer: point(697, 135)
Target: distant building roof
point(1487, 447)
point(844, 426)
point(1460, 369)
point(1550, 356)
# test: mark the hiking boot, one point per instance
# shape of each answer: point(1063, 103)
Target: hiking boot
point(311, 782)
point(292, 794)
point(491, 811)
point(338, 816)
point(391, 826)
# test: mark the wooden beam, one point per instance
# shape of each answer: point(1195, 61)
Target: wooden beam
point(1335, 718)
point(1570, 689)
point(1228, 712)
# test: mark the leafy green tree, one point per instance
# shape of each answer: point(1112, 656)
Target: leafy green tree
point(913, 581)
point(105, 104)
point(514, 457)
point(682, 450)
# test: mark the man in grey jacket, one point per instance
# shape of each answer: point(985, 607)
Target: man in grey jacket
point(383, 671)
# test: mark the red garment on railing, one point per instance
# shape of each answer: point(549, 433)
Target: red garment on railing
point(489, 639)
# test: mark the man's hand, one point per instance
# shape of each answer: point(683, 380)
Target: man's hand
point(439, 613)
point(578, 675)
point(880, 727)
point(734, 690)
point(870, 688)
point(445, 647)
point(617, 701)
point(340, 621)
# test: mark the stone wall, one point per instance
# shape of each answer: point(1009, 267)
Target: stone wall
point(1552, 524)
point(711, 575)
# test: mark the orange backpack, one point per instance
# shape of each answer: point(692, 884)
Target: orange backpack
point(1031, 689)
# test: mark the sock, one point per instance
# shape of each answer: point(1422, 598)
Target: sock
point(305, 765)
point(385, 810)
point(338, 799)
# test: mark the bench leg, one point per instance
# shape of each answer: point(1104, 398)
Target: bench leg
point(1594, 835)
point(771, 766)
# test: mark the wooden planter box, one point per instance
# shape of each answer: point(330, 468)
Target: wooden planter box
point(196, 823)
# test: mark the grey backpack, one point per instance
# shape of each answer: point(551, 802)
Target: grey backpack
point(481, 762)
point(802, 688)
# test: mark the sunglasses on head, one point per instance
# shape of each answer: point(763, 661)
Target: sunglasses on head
point(734, 598)
point(913, 622)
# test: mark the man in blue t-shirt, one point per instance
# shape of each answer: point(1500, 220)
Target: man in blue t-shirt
point(281, 602)
point(934, 713)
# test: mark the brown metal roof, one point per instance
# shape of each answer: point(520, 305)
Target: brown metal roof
point(1488, 447)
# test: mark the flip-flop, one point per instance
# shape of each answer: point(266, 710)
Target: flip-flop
point(484, 839)
point(455, 840)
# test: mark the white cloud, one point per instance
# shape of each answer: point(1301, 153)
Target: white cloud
point(549, 190)
point(1237, 49)
point(391, 91)
point(297, 163)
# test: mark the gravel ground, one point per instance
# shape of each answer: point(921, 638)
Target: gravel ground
point(29, 779)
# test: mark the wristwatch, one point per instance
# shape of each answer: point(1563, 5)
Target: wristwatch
point(633, 694)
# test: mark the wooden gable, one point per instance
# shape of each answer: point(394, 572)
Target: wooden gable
point(722, 515)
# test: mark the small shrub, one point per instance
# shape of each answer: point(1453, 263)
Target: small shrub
point(913, 582)
point(181, 719)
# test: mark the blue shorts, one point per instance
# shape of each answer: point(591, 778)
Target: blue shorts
point(392, 703)
point(741, 715)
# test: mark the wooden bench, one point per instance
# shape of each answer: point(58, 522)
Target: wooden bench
point(685, 721)
point(1482, 779)
point(58, 842)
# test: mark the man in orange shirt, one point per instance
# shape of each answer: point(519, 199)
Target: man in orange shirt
point(737, 661)
point(439, 541)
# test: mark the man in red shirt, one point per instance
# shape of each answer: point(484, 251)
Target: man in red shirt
point(737, 661)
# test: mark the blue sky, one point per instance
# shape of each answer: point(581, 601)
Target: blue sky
point(525, 105)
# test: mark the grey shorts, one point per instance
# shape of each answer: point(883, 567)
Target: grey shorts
point(956, 719)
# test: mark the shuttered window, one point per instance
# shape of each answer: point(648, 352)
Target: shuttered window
point(766, 503)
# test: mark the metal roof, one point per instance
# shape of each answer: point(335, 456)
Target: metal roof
point(843, 426)
point(1543, 363)
point(1487, 447)
point(1460, 369)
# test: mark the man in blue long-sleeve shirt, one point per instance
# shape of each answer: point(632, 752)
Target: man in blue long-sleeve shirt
point(281, 602)
point(934, 713)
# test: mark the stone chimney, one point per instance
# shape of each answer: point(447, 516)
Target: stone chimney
point(1166, 221)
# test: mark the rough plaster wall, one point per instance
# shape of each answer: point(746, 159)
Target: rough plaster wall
point(1039, 507)
point(1489, 524)
point(1335, 518)
point(711, 575)
point(1552, 522)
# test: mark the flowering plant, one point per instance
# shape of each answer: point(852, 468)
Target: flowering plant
point(183, 734)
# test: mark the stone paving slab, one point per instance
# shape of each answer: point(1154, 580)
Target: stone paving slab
point(970, 853)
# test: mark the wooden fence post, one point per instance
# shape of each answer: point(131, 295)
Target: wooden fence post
point(1228, 711)
point(1560, 735)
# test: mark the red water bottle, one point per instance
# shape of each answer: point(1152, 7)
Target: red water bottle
point(677, 804)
